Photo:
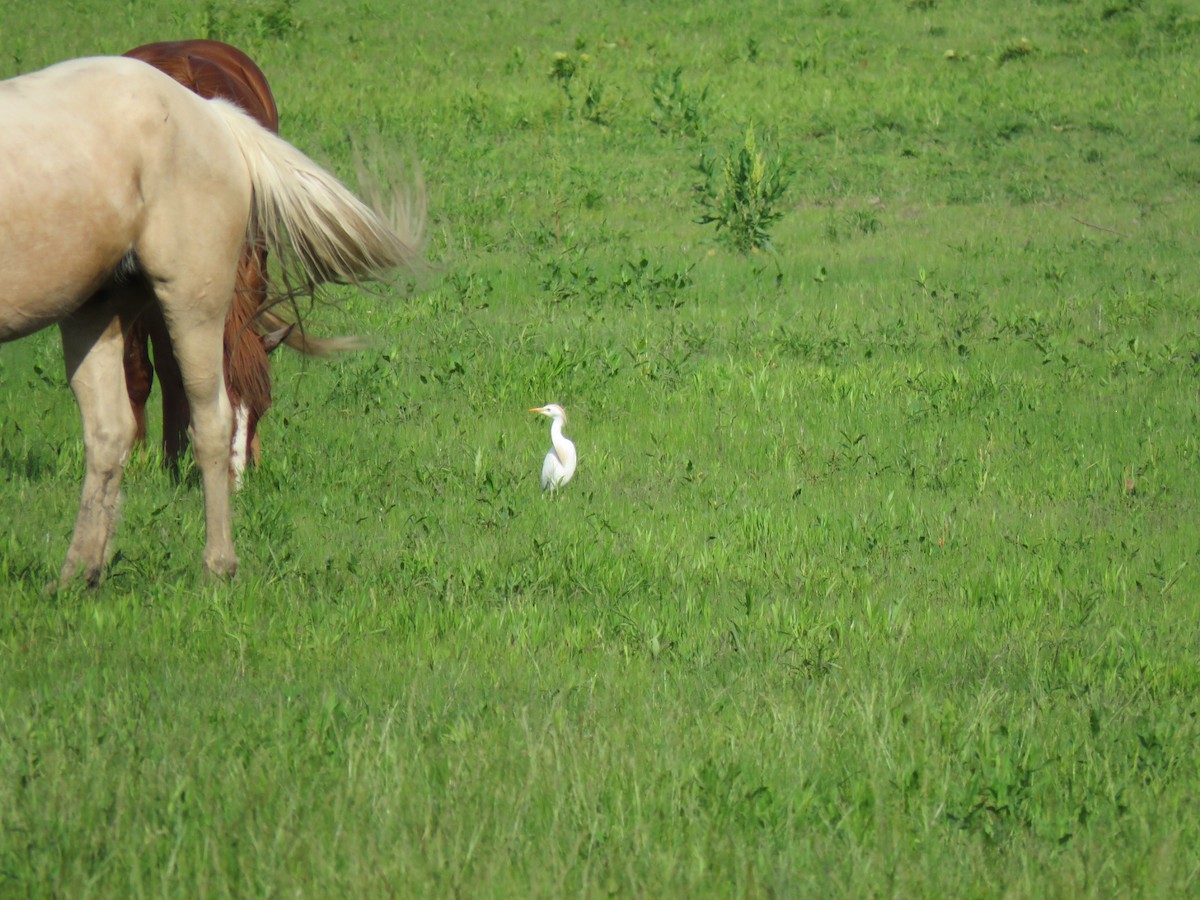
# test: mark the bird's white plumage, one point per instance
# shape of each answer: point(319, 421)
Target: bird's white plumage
point(559, 464)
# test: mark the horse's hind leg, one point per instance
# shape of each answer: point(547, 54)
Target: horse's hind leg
point(192, 268)
point(93, 348)
point(175, 411)
point(196, 330)
point(139, 375)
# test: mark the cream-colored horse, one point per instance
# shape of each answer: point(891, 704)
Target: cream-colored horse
point(120, 188)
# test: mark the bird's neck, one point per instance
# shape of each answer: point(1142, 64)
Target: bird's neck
point(562, 444)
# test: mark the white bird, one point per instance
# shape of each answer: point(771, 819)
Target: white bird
point(560, 461)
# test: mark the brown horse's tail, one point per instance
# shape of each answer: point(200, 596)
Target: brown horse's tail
point(303, 342)
point(315, 227)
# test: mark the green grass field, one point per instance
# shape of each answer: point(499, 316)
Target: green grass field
point(879, 574)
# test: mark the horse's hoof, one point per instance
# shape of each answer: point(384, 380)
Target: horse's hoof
point(224, 567)
point(91, 576)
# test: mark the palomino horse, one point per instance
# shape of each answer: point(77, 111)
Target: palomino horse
point(212, 69)
point(106, 166)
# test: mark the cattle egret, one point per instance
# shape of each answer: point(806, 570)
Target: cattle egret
point(560, 461)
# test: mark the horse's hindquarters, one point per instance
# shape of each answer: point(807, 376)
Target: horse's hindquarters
point(105, 161)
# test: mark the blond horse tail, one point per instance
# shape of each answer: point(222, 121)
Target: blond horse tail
point(314, 226)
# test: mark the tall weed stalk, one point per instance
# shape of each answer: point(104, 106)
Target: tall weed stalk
point(741, 193)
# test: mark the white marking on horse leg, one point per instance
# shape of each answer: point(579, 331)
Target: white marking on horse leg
point(240, 450)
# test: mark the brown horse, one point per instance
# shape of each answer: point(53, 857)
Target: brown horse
point(121, 189)
point(212, 69)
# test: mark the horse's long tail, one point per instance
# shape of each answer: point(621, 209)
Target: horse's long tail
point(303, 342)
point(316, 228)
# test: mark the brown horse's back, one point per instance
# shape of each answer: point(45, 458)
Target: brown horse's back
point(213, 69)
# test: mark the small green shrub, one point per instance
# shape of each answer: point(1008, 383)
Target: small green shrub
point(677, 110)
point(741, 194)
point(562, 70)
point(853, 223)
point(812, 56)
point(1018, 50)
point(593, 107)
point(566, 72)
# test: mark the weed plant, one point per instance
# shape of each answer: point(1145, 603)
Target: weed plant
point(678, 109)
point(741, 194)
point(879, 573)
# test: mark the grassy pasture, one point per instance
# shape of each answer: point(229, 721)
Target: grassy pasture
point(879, 573)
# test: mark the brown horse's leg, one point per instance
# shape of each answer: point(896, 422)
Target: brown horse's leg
point(176, 413)
point(93, 348)
point(247, 374)
point(269, 342)
point(139, 376)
